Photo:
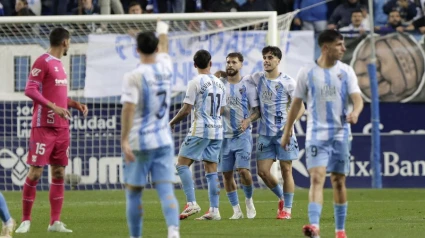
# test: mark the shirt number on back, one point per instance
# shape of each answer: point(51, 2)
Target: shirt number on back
point(163, 109)
point(217, 103)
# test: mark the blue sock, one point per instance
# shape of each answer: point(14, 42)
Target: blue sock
point(134, 212)
point(288, 197)
point(187, 182)
point(278, 191)
point(248, 190)
point(4, 211)
point(340, 213)
point(314, 211)
point(213, 189)
point(170, 206)
point(233, 198)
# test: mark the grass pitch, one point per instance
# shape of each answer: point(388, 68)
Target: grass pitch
point(100, 214)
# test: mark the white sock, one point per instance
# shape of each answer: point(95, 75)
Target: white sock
point(213, 209)
point(173, 232)
point(339, 230)
point(236, 209)
point(191, 203)
point(315, 225)
point(287, 209)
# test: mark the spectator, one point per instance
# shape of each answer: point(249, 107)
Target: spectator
point(7, 7)
point(106, 5)
point(35, 6)
point(255, 5)
point(22, 9)
point(357, 26)
point(1, 10)
point(86, 7)
point(380, 17)
point(224, 6)
point(406, 9)
point(59, 7)
point(135, 8)
point(394, 24)
point(342, 14)
point(313, 19)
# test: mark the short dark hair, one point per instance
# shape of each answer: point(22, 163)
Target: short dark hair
point(147, 42)
point(134, 3)
point(358, 10)
point(202, 58)
point(329, 36)
point(235, 55)
point(58, 35)
point(272, 49)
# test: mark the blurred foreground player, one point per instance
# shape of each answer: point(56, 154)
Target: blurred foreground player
point(333, 98)
point(146, 138)
point(47, 86)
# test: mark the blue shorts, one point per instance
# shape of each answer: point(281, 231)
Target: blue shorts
point(159, 163)
point(197, 149)
point(334, 155)
point(268, 147)
point(236, 153)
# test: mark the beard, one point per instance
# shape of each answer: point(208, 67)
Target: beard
point(232, 72)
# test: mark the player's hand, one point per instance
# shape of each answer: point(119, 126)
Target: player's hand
point(220, 74)
point(172, 127)
point(62, 112)
point(286, 140)
point(128, 153)
point(352, 117)
point(283, 129)
point(82, 108)
point(245, 124)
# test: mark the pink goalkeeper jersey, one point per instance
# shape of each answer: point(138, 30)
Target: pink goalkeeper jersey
point(48, 77)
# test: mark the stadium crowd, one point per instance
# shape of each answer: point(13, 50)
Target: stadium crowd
point(349, 16)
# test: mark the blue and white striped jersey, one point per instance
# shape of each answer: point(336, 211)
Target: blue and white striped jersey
point(207, 95)
point(241, 97)
point(275, 99)
point(149, 87)
point(327, 94)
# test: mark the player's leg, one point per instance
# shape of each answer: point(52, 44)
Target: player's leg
point(338, 167)
point(190, 150)
point(226, 166)
point(40, 147)
point(8, 222)
point(210, 158)
point(243, 165)
point(135, 174)
point(285, 158)
point(266, 156)
point(162, 171)
point(58, 161)
point(317, 158)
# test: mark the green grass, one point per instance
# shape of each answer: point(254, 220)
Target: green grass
point(92, 214)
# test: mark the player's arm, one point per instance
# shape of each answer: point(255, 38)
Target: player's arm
point(33, 88)
point(297, 107)
point(79, 106)
point(162, 30)
point(188, 103)
point(357, 100)
point(301, 112)
point(355, 96)
point(253, 101)
point(129, 99)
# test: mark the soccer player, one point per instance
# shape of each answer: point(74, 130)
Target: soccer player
point(327, 87)
point(47, 86)
point(237, 143)
point(275, 91)
point(206, 94)
point(8, 222)
point(146, 138)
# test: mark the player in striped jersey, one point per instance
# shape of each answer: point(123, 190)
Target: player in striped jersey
point(237, 142)
point(206, 95)
point(333, 98)
point(275, 91)
point(146, 138)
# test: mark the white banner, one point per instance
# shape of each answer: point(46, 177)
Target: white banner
point(109, 57)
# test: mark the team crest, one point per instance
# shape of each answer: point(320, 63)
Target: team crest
point(242, 90)
point(339, 76)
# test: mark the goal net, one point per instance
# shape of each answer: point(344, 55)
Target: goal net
point(102, 50)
